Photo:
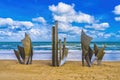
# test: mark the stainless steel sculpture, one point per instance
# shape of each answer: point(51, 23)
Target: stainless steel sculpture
point(99, 53)
point(86, 50)
point(25, 53)
point(18, 56)
point(59, 52)
point(63, 53)
point(90, 53)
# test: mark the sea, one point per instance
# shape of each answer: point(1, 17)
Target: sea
point(42, 50)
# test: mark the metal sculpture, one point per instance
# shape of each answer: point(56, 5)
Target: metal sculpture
point(99, 53)
point(25, 53)
point(59, 52)
point(86, 50)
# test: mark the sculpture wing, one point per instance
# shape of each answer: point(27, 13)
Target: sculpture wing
point(95, 49)
point(101, 53)
point(26, 43)
point(85, 41)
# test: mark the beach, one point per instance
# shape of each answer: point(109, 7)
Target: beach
point(71, 70)
point(41, 68)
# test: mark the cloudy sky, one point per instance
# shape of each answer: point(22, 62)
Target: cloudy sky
point(100, 19)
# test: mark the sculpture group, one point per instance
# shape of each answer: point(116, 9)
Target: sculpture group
point(87, 52)
point(59, 51)
point(24, 53)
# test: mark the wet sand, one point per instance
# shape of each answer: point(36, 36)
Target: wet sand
point(72, 70)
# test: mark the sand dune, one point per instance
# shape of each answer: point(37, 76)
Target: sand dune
point(72, 70)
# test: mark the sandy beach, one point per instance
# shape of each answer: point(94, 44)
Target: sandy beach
point(72, 70)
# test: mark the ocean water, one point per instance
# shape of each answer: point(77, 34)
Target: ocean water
point(114, 46)
point(42, 50)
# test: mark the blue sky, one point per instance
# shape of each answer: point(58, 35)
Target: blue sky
point(98, 18)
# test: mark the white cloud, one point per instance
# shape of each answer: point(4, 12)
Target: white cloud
point(68, 37)
point(61, 36)
point(4, 21)
point(76, 30)
point(117, 10)
point(15, 24)
point(34, 31)
point(38, 34)
point(100, 34)
point(117, 18)
point(39, 31)
point(66, 27)
point(66, 13)
point(62, 8)
point(79, 18)
point(13, 30)
point(5, 33)
point(101, 26)
point(97, 35)
point(39, 19)
point(82, 18)
point(107, 35)
point(25, 23)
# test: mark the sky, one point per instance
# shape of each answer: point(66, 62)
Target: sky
point(99, 19)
